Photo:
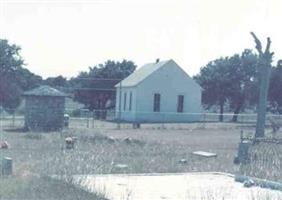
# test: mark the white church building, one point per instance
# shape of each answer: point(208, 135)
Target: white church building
point(158, 92)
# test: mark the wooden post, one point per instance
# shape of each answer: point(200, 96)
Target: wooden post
point(204, 122)
point(93, 119)
point(264, 65)
point(14, 117)
point(119, 104)
point(264, 84)
point(66, 120)
point(87, 123)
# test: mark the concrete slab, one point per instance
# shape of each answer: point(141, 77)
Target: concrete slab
point(204, 186)
point(204, 154)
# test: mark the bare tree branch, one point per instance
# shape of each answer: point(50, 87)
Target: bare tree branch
point(267, 45)
point(258, 43)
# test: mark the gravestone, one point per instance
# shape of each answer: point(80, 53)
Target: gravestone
point(69, 142)
point(6, 166)
point(66, 120)
point(204, 154)
point(120, 168)
point(243, 152)
point(183, 161)
point(4, 145)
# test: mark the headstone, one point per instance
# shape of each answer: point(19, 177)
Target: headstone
point(4, 145)
point(66, 120)
point(69, 143)
point(120, 168)
point(7, 166)
point(204, 154)
point(183, 161)
point(243, 151)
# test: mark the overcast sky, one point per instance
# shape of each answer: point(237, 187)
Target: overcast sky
point(60, 37)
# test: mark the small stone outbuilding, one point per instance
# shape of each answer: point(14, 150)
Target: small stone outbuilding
point(44, 109)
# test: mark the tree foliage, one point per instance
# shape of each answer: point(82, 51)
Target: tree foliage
point(213, 79)
point(96, 87)
point(230, 79)
point(243, 78)
point(275, 94)
point(58, 81)
point(93, 88)
point(14, 79)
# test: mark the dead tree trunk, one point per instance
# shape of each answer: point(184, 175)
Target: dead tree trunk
point(236, 112)
point(264, 66)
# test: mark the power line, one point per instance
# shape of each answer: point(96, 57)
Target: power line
point(99, 79)
point(86, 88)
point(94, 89)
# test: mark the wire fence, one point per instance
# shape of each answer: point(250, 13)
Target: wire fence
point(47, 154)
point(109, 119)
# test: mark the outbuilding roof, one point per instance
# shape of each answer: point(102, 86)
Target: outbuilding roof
point(44, 90)
point(143, 72)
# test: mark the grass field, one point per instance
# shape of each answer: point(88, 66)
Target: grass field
point(45, 188)
point(153, 148)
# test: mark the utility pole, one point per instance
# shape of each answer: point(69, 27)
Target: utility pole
point(264, 67)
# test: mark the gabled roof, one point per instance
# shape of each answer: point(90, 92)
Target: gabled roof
point(44, 90)
point(139, 75)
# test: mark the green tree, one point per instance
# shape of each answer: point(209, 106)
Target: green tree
point(274, 93)
point(27, 80)
point(243, 77)
point(58, 81)
point(14, 79)
point(230, 79)
point(95, 87)
point(10, 62)
point(214, 80)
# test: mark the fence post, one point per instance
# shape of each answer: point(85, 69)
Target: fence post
point(163, 121)
point(204, 123)
point(13, 118)
point(87, 124)
point(119, 106)
point(93, 116)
